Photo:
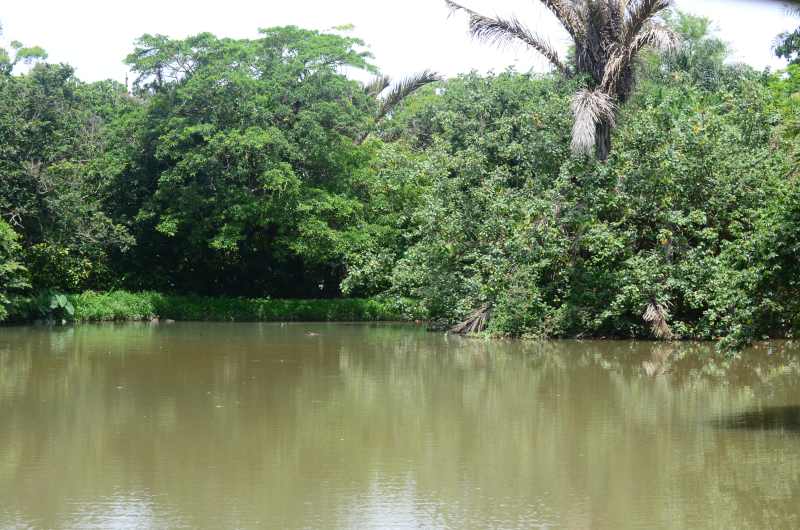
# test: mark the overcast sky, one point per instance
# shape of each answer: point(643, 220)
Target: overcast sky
point(406, 36)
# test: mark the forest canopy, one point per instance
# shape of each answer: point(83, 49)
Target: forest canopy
point(262, 168)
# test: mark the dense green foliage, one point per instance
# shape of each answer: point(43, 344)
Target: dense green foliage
point(91, 306)
point(691, 220)
point(682, 216)
point(247, 162)
point(13, 276)
point(788, 43)
point(257, 168)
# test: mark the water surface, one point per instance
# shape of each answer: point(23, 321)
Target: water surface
point(387, 426)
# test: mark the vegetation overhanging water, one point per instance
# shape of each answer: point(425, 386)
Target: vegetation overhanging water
point(255, 168)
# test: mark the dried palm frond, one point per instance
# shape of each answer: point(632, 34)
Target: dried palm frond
point(403, 89)
point(655, 35)
point(501, 31)
point(657, 315)
point(615, 70)
point(567, 14)
point(638, 13)
point(591, 108)
point(474, 323)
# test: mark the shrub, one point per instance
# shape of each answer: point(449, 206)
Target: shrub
point(13, 275)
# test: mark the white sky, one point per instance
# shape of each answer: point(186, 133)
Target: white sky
point(405, 36)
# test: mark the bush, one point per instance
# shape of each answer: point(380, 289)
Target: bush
point(13, 276)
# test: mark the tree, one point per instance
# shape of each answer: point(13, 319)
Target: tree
point(608, 35)
point(687, 231)
point(21, 55)
point(701, 55)
point(55, 168)
point(247, 173)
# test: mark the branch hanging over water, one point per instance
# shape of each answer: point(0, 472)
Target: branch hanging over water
point(475, 323)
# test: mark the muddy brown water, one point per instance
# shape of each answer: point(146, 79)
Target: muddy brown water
point(388, 426)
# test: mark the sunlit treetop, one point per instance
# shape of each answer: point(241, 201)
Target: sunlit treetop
point(19, 54)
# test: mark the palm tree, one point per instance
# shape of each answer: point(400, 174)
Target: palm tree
point(608, 36)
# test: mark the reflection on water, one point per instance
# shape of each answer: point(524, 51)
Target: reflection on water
point(270, 426)
point(785, 418)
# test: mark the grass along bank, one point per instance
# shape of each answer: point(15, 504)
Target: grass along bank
point(92, 306)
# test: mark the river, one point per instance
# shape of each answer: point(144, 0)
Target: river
point(226, 426)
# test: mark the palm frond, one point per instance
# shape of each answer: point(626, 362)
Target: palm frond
point(405, 88)
point(658, 36)
point(590, 108)
point(375, 87)
point(657, 315)
point(500, 31)
point(638, 13)
point(615, 70)
point(567, 14)
point(653, 35)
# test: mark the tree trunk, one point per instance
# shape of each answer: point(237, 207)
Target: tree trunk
point(602, 140)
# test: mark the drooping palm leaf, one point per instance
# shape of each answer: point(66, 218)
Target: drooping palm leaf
point(403, 89)
point(638, 13)
point(655, 35)
point(375, 87)
point(657, 315)
point(567, 14)
point(500, 31)
point(590, 108)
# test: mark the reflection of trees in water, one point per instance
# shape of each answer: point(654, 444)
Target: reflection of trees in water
point(783, 418)
point(258, 421)
point(538, 409)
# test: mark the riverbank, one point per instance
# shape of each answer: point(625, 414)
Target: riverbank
point(126, 306)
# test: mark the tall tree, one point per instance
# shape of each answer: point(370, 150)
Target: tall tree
point(55, 170)
point(608, 35)
point(249, 168)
